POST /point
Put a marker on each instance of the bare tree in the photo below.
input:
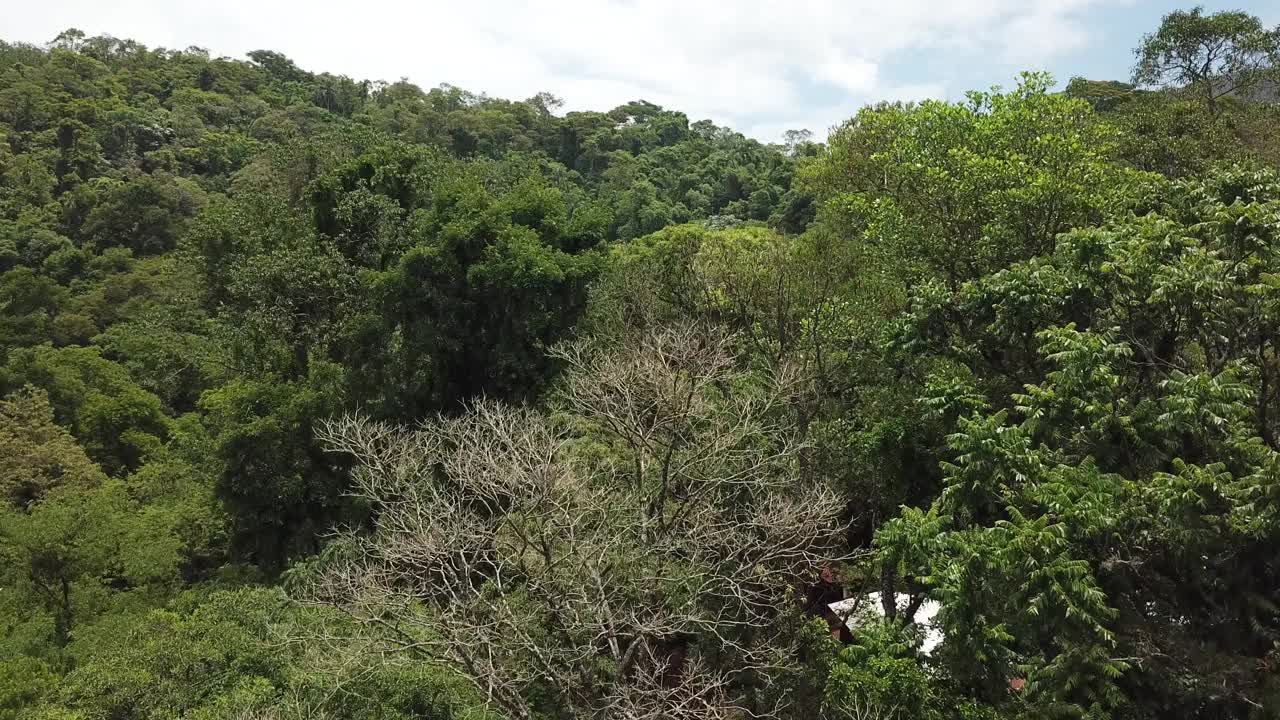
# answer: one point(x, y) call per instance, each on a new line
point(628, 557)
point(783, 300)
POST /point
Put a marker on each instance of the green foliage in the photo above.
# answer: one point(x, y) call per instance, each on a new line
point(487, 281)
point(233, 653)
point(143, 213)
point(1179, 138)
point(1226, 53)
point(80, 552)
point(31, 304)
point(1027, 339)
point(958, 190)
point(36, 454)
point(1102, 95)
point(118, 422)
point(280, 490)
point(1083, 531)
point(24, 683)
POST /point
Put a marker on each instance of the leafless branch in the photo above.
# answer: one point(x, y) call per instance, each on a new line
point(597, 563)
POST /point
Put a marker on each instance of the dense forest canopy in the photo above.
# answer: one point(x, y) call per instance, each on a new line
point(324, 397)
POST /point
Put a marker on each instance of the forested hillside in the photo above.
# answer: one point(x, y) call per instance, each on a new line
point(331, 398)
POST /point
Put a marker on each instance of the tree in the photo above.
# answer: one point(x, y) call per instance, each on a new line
point(1109, 497)
point(1177, 136)
point(799, 142)
point(677, 390)
point(878, 679)
point(144, 213)
point(118, 422)
point(957, 190)
point(632, 560)
point(24, 683)
point(234, 653)
point(779, 296)
point(36, 454)
point(32, 306)
point(80, 550)
point(1102, 95)
point(1226, 53)
point(279, 489)
point(475, 285)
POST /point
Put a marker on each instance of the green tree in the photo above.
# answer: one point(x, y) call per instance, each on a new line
point(956, 190)
point(878, 678)
point(32, 305)
point(277, 485)
point(81, 551)
point(143, 214)
point(25, 683)
point(118, 422)
point(1098, 479)
point(36, 454)
point(474, 286)
point(1102, 95)
point(235, 653)
point(1226, 53)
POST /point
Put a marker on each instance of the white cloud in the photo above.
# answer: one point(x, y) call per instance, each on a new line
point(754, 64)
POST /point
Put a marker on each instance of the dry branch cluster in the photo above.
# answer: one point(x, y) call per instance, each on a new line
point(627, 557)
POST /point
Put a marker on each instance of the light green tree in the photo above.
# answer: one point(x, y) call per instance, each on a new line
point(1226, 53)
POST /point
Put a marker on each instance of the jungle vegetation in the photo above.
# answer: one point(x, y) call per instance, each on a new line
point(331, 398)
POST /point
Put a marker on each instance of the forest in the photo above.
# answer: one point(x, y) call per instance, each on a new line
point(335, 398)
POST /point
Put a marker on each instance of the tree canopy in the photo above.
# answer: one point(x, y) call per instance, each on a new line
point(1226, 53)
point(325, 397)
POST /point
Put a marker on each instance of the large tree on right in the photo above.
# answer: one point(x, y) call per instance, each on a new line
point(1110, 501)
point(1226, 53)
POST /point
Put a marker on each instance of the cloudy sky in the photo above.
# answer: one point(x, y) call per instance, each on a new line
point(761, 67)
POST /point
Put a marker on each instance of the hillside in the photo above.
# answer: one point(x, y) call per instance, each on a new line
point(324, 397)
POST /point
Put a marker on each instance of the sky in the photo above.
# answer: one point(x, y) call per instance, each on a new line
point(759, 67)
